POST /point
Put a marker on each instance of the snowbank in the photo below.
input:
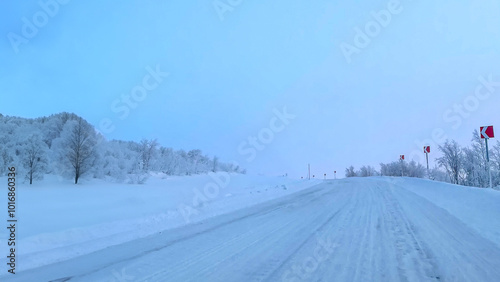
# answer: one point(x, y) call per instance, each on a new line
point(476, 207)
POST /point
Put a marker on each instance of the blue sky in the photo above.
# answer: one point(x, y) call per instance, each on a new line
point(228, 75)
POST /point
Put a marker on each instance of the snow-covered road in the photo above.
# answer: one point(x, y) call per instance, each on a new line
point(346, 230)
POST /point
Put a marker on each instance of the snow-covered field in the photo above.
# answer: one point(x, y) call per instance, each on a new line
point(253, 229)
point(59, 220)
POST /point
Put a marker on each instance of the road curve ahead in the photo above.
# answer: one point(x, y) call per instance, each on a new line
point(344, 230)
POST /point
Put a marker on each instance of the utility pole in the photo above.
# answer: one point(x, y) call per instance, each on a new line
point(309, 168)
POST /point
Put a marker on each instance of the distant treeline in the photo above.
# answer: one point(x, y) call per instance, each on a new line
point(68, 146)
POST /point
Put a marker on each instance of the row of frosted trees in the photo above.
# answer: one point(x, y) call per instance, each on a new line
point(410, 169)
point(68, 146)
point(458, 165)
point(468, 165)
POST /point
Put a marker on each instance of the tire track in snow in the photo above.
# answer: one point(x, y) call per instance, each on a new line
point(269, 266)
point(414, 259)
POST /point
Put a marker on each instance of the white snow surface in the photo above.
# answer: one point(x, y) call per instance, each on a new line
point(59, 220)
point(357, 229)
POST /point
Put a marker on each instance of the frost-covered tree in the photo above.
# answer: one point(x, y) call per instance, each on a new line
point(470, 163)
point(391, 169)
point(5, 159)
point(194, 157)
point(414, 169)
point(80, 144)
point(366, 171)
point(350, 172)
point(438, 175)
point(452, 160)
point(168, 160)
point(34, 158)
point(147, 150)
point(475, 163)
point(495, 163)
point(7, 144)
point(114, 162)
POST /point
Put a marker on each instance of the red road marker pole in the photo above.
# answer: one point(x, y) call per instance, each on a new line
point(487, 133)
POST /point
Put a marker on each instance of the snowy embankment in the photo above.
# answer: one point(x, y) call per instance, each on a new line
point(59, 220)
point(478, 208)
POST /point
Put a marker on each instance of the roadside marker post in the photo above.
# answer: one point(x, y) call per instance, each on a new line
point(401, 159)
point(487, 133)
point(309, 171)
point(427, 150)
point(335, 174)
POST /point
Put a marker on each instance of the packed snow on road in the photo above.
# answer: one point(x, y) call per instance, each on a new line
point(262, 229)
